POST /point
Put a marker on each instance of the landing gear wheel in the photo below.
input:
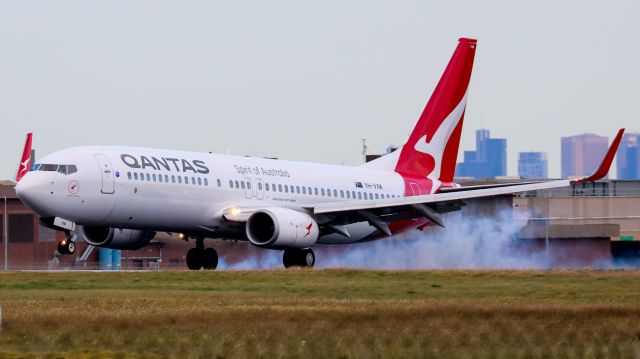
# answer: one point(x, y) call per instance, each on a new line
point(195, 258)
point(209, 258)
point(66, 246)
point(298, 258)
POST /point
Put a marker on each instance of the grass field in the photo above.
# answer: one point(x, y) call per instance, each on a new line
point(321, 313)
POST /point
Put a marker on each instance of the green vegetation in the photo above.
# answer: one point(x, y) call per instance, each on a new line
point(321, 313)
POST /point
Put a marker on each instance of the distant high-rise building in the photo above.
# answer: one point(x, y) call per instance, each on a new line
point(581, 154)
point(532, 165)
point(627, 156)
point(488, 160)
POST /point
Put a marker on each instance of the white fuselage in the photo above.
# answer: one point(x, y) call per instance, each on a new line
point(188, 192)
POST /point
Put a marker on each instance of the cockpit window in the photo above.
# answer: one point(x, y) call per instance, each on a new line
point(64, 169)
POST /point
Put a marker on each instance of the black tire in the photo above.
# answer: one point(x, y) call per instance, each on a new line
point(307, 258)
point(210, 259)
point(289, 258)
point(62, 247)
point(298, 258)
point(71, 247)
point(194, 258)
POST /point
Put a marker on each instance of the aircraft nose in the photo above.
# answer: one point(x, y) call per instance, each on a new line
point(33, 192)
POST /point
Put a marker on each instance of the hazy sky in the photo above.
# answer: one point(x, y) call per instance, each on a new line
point(307, 80)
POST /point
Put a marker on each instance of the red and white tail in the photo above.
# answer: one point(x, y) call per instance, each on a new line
point(25, 162)
point(432, 149)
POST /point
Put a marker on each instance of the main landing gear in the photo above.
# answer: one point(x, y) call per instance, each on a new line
point(294, 257)
point(200, 257)
point(68, 244)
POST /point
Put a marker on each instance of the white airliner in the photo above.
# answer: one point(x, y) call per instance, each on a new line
point(121, 196)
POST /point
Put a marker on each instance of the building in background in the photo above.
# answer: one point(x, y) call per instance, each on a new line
point(487, 161)
point(581, 154)
point(627, 157)
point(532, 165)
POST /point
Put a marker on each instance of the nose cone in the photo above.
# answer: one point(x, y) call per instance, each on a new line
point(33, 191)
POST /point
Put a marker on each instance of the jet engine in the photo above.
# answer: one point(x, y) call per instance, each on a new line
point(116, 238)
point(282, 228)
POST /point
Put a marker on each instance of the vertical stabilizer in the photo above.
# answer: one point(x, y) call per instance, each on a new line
point(25, 161)
point(432, 149)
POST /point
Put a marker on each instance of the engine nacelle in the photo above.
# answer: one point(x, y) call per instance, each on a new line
point(282, 228)
point(107, 237)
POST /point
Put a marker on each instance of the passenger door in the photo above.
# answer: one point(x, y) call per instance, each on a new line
point(108, 179)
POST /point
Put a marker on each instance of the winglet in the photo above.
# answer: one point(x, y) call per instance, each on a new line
point(603, 169)
point(25, 161)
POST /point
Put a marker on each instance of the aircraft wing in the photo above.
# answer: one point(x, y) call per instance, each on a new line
point(381, 212)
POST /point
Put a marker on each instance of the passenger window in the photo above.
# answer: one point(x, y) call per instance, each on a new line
point(159, 178)
point(297, 189)
point(348, 194)
point(248, 184)
point(341, 193)
point(266, 186)
point(193, 180)
point(304, 190)
point(242, 184)
point(219, 183)
point(166, 178)
point(335, 193)
point(199, 181)
point(129, 175)
point(279, 188)
point(322, 191)
point(238, 185)
point(353, 194)
point(259, 186)
point(315, 190)
point(309, 189)
point(71, 169)
point(286, 189)
point(135, 176)
point(328, 192)
point(359, 195)
point(148, 177)
point(173, 179)
point(230, 184)
point(376, 196)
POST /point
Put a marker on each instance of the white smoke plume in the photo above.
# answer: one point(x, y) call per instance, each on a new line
point(468, 241)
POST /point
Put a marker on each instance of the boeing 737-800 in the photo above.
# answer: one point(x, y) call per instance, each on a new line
point(121, 196)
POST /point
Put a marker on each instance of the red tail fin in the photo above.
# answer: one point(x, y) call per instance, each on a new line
point(432, 148)
point(25, 162)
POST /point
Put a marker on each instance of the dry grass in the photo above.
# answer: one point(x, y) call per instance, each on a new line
point(332, 314)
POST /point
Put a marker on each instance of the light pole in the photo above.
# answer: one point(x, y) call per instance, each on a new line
point(4, 235)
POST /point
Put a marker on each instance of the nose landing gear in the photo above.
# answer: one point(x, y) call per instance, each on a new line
point(68, 244)
point(199, 257)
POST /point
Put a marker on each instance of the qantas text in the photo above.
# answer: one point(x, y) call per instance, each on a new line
point(169, 164)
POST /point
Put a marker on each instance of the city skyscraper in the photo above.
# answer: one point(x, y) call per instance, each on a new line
point(627, 157)
point(581, 154)
point(488, 160)
point(532, 165)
